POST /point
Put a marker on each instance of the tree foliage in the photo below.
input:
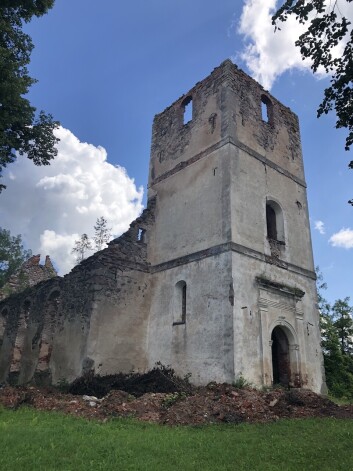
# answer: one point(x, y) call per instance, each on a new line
point(336, 325)
point(327, 30)
point(102, 234)
point(343, 322)
point(21, 130)
point(81, 247)
point(12, 255)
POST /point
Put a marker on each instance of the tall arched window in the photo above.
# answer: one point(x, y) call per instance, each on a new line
point(20, 337)
point(48, 332)
point(179, 303)
point(3, 317)
point(266, 109)
point(274, 221)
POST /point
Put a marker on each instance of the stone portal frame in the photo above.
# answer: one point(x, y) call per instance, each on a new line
point(294, 353)
point(281, 306)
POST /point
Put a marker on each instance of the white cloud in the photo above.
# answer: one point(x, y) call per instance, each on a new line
point(342, 238)
point(320, 226)
point(269, 54)
point(52, 205)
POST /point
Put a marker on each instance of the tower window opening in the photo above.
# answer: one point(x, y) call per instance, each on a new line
point(179, 304)
point(183, 304)
point(266, 109)
point(141, 235)
point(187, 107)
point(274, 222)
point(271, 222)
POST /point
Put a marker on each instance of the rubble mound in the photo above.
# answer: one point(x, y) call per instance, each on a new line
point(161, 379)
point(215, 403)
point(161, 396)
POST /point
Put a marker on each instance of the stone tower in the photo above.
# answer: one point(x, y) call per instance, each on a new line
point(233, 275)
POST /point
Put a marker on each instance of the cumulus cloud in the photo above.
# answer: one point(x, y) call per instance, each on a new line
point(268, 54)
point(319, 226)
point(342, 238)
point(52, 206)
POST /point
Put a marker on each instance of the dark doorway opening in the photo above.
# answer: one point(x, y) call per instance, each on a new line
point(280, 357)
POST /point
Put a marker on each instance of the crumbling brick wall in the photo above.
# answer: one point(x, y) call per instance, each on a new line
point(29, 274)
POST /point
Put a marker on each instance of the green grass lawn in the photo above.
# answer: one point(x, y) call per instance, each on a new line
point(32, 440)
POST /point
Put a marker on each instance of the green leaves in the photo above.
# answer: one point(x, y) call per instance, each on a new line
point(81, 247)
point(102, 233)
point(21, 132)
point(326, 29)
point(336, 324)
point(12, 255)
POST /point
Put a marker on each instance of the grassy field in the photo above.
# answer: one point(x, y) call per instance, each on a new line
point(32, 440)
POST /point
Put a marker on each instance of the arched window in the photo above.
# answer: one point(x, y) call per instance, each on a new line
point(266, 109)
point(3, 317)
point(48, 332)
point(187, 109)
point(20, 337)
point(274, 221)
point(179, 303)
point(271, 222)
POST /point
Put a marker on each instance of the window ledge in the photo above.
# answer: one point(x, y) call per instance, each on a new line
point(279, 242)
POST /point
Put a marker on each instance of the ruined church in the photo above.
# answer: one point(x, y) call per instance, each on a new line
point(215, 278)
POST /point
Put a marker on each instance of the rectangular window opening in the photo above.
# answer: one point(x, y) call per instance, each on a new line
point(141, 235)
point(264, 111)
point(187, 110)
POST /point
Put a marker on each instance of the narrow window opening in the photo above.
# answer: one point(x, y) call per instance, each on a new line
point(47, 334)
point(179, 303)
point(271, 222)
point(187, 106)
point(264, 112)
point(141, 235)
point(183, 305)
point(3, 317)
point(20, 337)
point(266, 109)
point(275, 226)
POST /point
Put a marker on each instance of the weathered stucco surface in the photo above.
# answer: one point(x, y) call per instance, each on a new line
point(216, 278)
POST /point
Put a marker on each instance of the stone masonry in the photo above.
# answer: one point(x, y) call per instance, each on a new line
point(215, 278)
point(30, 273)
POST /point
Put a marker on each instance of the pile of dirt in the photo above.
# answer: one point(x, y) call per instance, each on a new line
point(215, 403)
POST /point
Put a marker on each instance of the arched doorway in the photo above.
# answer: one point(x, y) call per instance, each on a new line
point(280, 357)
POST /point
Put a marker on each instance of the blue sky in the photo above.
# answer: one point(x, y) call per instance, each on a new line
point(104, 70)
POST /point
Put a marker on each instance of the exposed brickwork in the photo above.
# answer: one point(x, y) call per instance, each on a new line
point(30, 274)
